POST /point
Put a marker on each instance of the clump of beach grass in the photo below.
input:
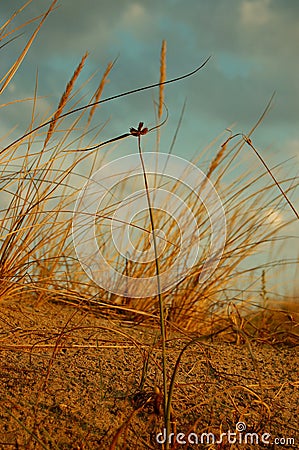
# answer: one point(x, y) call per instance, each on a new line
point(40, 180)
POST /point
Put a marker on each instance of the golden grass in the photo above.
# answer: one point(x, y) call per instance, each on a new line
point(39, 184)
point(64, 99)
point(6, 79)
point(99, 91)
point(162, 78)
point(34, 260)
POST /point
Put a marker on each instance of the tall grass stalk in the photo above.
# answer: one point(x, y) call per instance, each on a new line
point(160, 297)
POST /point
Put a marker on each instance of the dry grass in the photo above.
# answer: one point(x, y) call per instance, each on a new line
point(65, 97)
point(162, 78)
point(39, 184)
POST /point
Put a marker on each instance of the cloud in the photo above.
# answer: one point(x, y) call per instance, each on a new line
point(253, 43)
point(255, 13)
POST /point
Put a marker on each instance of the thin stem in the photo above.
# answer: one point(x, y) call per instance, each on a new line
point(160, 298)
point(101, 144)
point(249, 142)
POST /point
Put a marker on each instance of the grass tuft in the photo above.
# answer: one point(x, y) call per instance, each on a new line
point(40, 180)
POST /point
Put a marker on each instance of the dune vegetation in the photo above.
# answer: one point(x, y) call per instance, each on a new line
point(82, 367)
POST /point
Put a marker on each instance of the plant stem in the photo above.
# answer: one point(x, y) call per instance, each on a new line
point(160, 298)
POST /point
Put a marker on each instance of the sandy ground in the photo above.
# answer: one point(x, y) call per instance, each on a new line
point(72, 380)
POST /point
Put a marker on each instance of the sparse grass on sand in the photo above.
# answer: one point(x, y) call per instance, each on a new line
point(81, 368)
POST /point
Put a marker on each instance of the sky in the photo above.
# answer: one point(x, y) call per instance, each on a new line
point(253, 46)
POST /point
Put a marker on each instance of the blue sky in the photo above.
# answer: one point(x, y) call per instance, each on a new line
point(254, 48)
point(253, 44)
